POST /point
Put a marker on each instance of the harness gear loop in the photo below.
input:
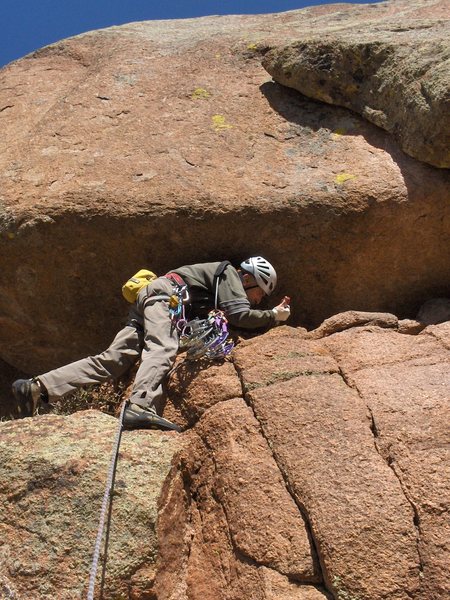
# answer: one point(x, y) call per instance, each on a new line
point(206, 337)
point(177, 302)
point(155, 298)
point(200, 337)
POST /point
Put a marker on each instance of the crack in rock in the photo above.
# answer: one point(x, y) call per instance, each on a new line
point(390, 461)
point(314, 544)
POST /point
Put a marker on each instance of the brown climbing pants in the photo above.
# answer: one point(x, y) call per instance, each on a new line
point(149, 335)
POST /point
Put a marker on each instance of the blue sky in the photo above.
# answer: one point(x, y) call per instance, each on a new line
point(30, 24)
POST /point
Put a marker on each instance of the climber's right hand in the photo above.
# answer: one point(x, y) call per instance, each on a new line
point(282, 312)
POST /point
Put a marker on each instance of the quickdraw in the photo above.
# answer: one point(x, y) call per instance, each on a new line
point(200, 338)
point(177, 302)
point(206, 338)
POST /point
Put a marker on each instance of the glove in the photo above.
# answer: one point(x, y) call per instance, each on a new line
point(281, 312)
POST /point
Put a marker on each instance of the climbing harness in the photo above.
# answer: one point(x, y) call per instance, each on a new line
point(201, 338)
point(106, 499)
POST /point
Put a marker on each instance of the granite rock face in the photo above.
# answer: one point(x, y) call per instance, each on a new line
point(164, 143)
point(393, 69)
point(314, 465)
point(53, 478)
point(238, 531)
point(357, 424)
point(310, 468)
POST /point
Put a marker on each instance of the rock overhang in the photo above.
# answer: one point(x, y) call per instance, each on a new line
point(128, 132)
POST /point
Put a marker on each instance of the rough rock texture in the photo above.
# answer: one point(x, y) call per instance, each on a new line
point(195, 387)
point(311, 469)
point(362, 439)
point(393, 69)
point(238, 528)
point(405, 383)
point(321, 437)
point(163, 143)
point(316, 464)
point(353, 318)
point(53, 476)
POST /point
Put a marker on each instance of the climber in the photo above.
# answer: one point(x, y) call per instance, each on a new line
point(150, 335)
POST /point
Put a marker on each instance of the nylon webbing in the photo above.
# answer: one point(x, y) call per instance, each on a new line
point(156, 298)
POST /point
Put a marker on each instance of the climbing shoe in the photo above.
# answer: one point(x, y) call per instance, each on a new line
point(137, 417)
point(27, 392)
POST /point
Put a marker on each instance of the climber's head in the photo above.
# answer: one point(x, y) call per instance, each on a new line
point(258, 278)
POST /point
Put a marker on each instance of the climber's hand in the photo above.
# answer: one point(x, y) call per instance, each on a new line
point(282, 312)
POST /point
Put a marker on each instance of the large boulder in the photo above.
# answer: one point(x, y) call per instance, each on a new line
point(392, 68)
point(357, 422)
point(229, 527)
point(161, 143)
point(309, 469)
point(404, 381)
point(53, 473)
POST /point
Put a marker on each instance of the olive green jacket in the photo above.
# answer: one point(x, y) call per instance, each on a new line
point(231, 295)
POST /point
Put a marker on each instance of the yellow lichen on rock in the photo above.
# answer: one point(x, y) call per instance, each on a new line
point(219, 123)
point(343, 177)
point(200, 94)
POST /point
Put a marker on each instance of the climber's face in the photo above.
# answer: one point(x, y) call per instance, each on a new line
point(254, 293)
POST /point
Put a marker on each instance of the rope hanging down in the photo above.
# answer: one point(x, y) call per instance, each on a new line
point(200, 338)
point(106, 498)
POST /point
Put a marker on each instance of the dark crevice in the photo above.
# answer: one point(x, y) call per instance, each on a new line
point(241, 556)
point(280, 376)
point(373, 426)
point(416, 517)
point(314, 544)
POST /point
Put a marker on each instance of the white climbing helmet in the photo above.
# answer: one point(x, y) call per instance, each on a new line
point(262, 271)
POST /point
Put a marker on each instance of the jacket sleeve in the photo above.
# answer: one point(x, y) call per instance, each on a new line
point(233, 301)
point(251, 319)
